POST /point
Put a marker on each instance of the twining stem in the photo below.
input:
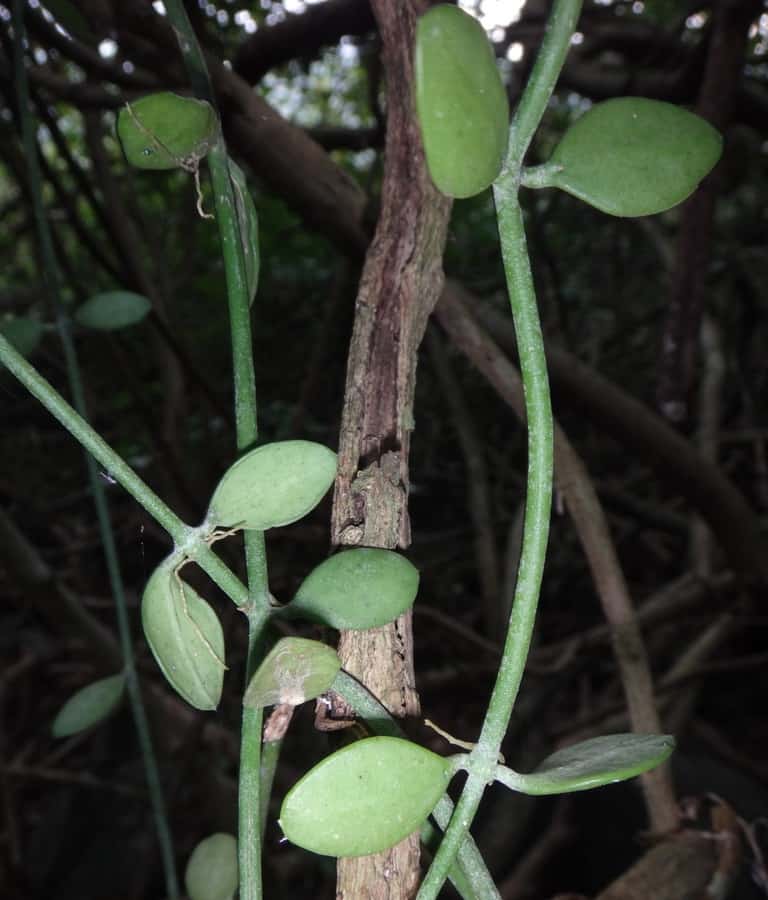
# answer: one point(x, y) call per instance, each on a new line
point(51, 277)
point(381, 722)
point(533, 367)
point(185, 537)
point(247, 431)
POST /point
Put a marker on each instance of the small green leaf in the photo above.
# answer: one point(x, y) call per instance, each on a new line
point(163, 130)
point(635, 157)
point(212, 869)
point(89, 705)
point(295, 670)
point(248, 222)
point(592, 763)
point(273, 485)
point(364, 798)
point(360, 588)
point(22, 333)
point(113, 310)
point(185, 637)
point(461, 103)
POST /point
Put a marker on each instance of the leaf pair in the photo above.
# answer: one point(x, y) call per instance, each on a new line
point(627, 157)
point(372, 794)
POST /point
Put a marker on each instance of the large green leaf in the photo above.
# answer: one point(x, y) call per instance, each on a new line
point(360, 588)
point(635, 157)
point(461, 103)
point(295, 670)
point(248, 222)
point(164, 130)
point(364, 798)
point(273, 485)
point(211, 872)
point(113, 310)
point(592, 763)
point(89, 705)
point(185, 637)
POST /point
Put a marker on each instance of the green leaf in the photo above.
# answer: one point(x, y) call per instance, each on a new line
point(635, 157)
point(364, 798)
point(359, 588)
point(211, 872)
point(461, 103)
point(273, 485)
point(164, 130)
point(185, 637)
point(295, 670)
point(248, 222)
point(22, 333)
point(592, 763)
point(89, 705)
point(113, 310)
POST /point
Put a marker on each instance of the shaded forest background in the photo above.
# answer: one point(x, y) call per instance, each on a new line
point(657, 330)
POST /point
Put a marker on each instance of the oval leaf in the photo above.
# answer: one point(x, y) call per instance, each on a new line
point(635, 157)
point(273, 485)
point(248, 222)
point(360, 588)
point(592, 763)
point(113, 310)
point(295, 670)
point(185, 637)
point(364, 798)
point(461, 103)
point(89, 705)
point(22, 333)
point(163, 130)
point(212, 869)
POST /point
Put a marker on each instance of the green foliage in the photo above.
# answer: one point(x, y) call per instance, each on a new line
point(294, 670)
point(635, 157)
point(113, 310)
point(23, 332)
point(185, 637)
point(593, 763)
point(273, 485)
point(364, 798)
point(89, 706)
point(212, 869)
point(248, 222)
point(461, 102)
point(359, 588)
point(164, 130)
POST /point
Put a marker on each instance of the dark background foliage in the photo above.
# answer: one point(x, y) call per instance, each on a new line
point(625, 297)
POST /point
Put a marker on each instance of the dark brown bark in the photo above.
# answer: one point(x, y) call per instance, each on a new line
point(302, 35)
point(400, 284)
point(722, 76)
point(675, 460)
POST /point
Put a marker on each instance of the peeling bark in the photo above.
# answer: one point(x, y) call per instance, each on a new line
point(400, 284)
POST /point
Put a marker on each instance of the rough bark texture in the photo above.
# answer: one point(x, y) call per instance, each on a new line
point(400, 284)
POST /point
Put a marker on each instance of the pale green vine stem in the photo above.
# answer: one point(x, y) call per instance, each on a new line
point(185, 537)
point(517, 269)
point(249, 786)
point(51, 277)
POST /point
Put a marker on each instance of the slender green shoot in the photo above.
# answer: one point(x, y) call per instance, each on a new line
point(483, 758)
point(250, 802)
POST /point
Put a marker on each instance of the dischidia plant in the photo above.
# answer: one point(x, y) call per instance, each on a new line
point(627, 157)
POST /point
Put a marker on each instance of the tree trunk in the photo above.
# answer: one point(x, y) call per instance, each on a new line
point(400, 284)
